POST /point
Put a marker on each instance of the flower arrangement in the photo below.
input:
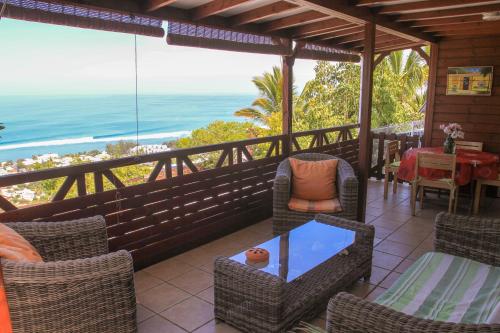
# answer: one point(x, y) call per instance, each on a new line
point(453, 131)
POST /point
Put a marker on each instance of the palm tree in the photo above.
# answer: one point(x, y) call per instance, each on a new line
point(270, 97)
point(409, 70)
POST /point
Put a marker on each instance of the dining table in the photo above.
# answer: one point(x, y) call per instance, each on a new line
point(471, 165)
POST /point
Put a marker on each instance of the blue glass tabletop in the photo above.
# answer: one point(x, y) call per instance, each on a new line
point(294, 253)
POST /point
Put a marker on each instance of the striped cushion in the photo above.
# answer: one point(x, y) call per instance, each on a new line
point(320, 206)
point(447, 288)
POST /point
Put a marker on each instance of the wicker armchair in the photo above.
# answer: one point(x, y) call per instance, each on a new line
point(347, 189)
point(469, 237)
point(79, 287)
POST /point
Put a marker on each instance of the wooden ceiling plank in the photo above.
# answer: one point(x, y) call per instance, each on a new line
point(354, 38)
point(361, 15)
point(334, 32)
point(445, 13)
point(331, 23)
point(397, 47)
point(373, 2)
point(495, 25)
point(429, 6)
point(262, 12)
point(294, 20)
point(152, 5)
point(214, 7)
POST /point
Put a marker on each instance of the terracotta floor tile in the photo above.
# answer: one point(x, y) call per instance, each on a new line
point(407, 237)
point(144, 281)
point(361, 289)
point(378, 274)
point(161, 297)
point(190, 314)
point(193, 281)
point(404, 265)
point(381, 232)
point(143, 313)
point(394, 248)
point(158, 324)
point(207, 295)
point(386, 261)
point(168, 269)
point(216, 327)
point(375, 293)
point(389, 280)
point(396, 216)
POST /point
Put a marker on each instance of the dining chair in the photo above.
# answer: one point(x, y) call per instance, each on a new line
point(480, 189)
point(471, 145)
point(392, 162)
point(444, 162)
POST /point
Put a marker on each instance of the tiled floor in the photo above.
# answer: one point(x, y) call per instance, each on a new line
point(176, 295)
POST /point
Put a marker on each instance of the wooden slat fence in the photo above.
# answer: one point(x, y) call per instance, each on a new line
point(191, 195)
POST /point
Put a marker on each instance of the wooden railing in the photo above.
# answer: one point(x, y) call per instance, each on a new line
point(190, 195)
point(407, 141)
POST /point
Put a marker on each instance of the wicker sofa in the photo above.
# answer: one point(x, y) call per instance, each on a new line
point(79, 287)
point(463, 237)
point(285, 219)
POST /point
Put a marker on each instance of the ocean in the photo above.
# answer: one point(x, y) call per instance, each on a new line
point(38, 125)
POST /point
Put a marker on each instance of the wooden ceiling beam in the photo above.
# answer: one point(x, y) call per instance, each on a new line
point(382, 38)
point(214, 7)
point(447, 21)
point(152, 5)
point(429, 6)
point(360, 15)
point(373, 2)
point(445, 13)
point(294, 20)
point(422, 54)
point(262, 12)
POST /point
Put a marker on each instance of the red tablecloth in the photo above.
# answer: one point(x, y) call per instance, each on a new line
point(470, 165)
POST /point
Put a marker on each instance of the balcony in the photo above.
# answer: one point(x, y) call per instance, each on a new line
point(176, 295)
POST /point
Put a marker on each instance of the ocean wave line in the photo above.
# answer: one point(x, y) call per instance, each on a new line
point(89, 139)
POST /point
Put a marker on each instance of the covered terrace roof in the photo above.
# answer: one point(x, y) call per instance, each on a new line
point(331, 23)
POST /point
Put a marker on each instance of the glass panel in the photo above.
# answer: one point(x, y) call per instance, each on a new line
point(300, 250)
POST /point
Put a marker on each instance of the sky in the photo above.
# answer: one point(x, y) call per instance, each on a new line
point(43, 59)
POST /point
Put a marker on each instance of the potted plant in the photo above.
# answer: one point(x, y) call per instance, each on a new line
point(452, 131)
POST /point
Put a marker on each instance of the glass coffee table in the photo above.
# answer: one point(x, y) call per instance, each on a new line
point(306, 267)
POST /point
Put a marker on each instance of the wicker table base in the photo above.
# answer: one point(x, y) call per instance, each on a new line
point(256, 301)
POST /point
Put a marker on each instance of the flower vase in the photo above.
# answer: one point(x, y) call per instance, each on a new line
point(449, 145)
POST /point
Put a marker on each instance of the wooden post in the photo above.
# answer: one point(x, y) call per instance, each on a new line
point(287, 101)
point(431, 94)
point(365, 111)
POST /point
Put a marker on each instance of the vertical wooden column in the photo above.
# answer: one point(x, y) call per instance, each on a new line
point(431, 94)
point(287, 101)
point(365, 116)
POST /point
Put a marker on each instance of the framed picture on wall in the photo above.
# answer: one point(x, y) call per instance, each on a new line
point(472, 80)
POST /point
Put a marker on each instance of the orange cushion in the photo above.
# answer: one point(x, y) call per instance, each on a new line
point(319, 206)
point(12, 246)
point(314, 180)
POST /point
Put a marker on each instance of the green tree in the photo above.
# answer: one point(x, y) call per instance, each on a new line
point(120, 148)
point(217, 132)
point(267, 108)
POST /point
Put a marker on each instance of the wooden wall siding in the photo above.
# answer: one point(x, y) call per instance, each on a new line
point(480, 115)
point(162, 217)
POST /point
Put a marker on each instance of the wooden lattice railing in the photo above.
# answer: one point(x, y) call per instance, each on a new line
point(406, 141)
point(188, 197)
